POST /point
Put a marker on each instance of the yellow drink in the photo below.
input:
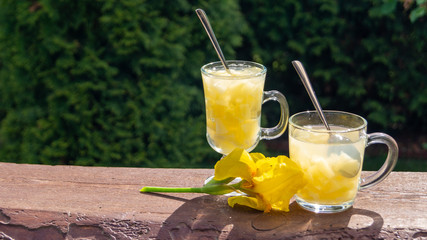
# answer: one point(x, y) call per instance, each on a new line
point(332, 170)
point(233, 107)
point(332, 159)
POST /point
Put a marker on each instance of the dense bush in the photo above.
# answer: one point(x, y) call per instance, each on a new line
point(360, 57)
point(106, 82)
point(117, 83)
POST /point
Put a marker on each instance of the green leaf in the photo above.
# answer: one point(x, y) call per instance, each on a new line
point(420, 2)
point(385, 8)
point(417, 13)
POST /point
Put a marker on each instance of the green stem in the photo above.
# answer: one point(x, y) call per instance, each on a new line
point(219, 182)
point(170, 189)
point(209, 189)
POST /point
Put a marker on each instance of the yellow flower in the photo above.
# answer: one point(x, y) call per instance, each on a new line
point(236, 164)
point(269, 183)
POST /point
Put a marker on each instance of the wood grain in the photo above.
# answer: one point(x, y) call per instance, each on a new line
point(70, 202)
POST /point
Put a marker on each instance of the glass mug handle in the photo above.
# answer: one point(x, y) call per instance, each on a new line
point(390, 162)
point(279, 129)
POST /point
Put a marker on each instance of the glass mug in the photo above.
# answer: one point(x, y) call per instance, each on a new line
point(332, 160)
point(233, 101)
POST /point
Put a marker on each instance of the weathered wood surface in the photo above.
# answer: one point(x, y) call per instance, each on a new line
point(70, 202)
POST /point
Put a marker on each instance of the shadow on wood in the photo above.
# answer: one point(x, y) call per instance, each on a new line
point(210, 217)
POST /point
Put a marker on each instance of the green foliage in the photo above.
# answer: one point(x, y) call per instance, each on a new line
point(103, 82)
point(362, 56)
point(106, 82)
point(417, 8)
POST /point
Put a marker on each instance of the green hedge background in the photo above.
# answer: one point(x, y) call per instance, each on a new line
point(117, 83)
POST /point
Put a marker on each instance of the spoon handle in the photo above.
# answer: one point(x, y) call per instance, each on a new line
point(205, 21)
point(306, 81)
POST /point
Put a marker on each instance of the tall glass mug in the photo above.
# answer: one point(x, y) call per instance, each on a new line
point(233, 103)
point(332, 160)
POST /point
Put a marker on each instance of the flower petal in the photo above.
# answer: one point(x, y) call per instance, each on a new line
point(252, 202)
point(277, 180)
point(257, 156)
point(236, 164)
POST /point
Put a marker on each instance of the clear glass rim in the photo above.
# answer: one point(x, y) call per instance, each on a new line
point(231, 63)
point(328, 113)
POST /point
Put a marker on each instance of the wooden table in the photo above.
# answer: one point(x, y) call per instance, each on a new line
point(71, 202)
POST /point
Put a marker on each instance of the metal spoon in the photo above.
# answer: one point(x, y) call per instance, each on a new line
point(333, 138)
point(306, 81)
point(205, 21)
